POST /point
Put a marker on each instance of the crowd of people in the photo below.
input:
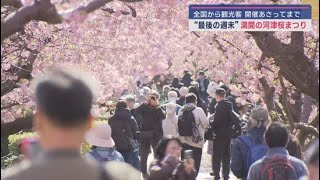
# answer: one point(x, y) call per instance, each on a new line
point(173, 124)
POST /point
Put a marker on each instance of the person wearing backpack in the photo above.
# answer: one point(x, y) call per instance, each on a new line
point(124, 133)
point(222, 128)
point(192, 122)
point(246, 149)
point(277, 164)
point(103, 149)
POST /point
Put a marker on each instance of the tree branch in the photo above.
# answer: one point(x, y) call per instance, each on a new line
point(284, 102)
point(44, 10)
point(297, 39)
point(295, 67)
point(15, 126)
point(308, 129)
point(9, 105)
point(22, 71)
point(12, 3)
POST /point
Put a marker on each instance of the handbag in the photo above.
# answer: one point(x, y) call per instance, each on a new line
point(209, 134)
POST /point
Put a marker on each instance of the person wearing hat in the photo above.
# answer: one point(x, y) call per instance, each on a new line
point(183, 91)
point(142, 94)
point(203, 83)
point(102, 144)
point(258, 120)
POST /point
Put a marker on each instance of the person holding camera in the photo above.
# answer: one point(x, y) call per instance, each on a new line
point(167, 163)
point(151, 127)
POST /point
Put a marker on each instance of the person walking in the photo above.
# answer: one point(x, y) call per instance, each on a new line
point(192, 138)
point(246, 149)
point(176, 83)
point(221, 143)
point(277, 163)
point(186, 79)
point(203, 86)
point(124, 132)
point(151, 128)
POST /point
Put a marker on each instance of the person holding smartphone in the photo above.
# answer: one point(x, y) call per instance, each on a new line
point(151, 127)
point(167, 163)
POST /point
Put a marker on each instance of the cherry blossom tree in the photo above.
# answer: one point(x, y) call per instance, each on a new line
point(123, 42)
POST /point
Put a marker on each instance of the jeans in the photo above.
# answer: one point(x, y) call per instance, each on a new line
point(221, 154)
point(134, 160)
point(197, 154)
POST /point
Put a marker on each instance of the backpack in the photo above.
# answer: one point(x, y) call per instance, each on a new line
point(255, 151)
point(235, 124)
point(186, 122)
point(278, 168)
point(97, 156)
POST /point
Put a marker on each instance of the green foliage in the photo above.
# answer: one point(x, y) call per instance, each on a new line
point(85, 147)
point(14, 154)
point(15, 139)
point(9, 160)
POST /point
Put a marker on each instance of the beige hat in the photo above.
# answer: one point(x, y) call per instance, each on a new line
point(100, 136)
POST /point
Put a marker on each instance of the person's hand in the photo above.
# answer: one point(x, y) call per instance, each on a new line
point(189, 165)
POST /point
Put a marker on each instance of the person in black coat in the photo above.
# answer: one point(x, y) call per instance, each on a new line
point(186, 79)
point(176, 83)
point(203, 84)
point(124, 128)
point(151, 127)
point(221, 143)
point(231, 98)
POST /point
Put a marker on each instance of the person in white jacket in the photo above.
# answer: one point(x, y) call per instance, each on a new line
point(169, 124)
point(202, 123)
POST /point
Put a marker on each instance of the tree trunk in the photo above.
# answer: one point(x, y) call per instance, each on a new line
point(294, 65)
point(306, 108)
point(15, 126)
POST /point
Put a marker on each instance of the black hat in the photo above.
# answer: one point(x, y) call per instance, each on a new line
point(220, 92)
point(226, 88)
point(201, 73)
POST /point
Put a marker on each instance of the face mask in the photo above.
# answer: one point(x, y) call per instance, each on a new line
point(172, 99)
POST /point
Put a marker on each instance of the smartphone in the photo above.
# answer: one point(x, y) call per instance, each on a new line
point(188, 154)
